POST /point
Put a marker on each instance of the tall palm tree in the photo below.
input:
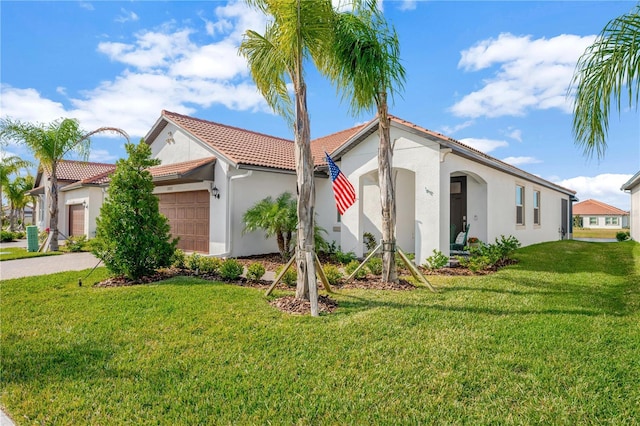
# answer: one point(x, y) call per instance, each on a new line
point(606, 70)
point(276, 217)
point(367, 68)
point(299, 30)
point(49, 144)
point(9, 165)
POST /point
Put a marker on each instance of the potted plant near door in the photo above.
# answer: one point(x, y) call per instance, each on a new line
point(473, 242)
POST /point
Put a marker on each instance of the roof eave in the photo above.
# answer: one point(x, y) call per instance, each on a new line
point(635, 180)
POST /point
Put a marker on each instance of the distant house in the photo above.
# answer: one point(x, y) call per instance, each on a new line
point(82, 187)
point(595, 214)
point(632, 186)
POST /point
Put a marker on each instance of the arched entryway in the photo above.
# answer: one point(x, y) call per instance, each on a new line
point(468, 204)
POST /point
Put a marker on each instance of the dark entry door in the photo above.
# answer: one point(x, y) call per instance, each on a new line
point(458, 207)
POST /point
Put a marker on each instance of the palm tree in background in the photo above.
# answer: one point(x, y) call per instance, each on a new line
point(366, 69)
point(607, 69)
point(16, 192)
point(50, 143)
point(298, 31)
point(9, 166)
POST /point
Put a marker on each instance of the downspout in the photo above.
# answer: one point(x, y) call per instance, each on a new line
point(228, 237)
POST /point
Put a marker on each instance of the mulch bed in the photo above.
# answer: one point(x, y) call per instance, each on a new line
point(290, 304)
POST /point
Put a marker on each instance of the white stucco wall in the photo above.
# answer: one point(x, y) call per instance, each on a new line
point(601, 222)
point(499, 217)
point(635, 213)
point(182, 147)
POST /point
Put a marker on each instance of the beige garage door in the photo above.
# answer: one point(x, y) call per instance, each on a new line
point(188, 214)
point(76, 219)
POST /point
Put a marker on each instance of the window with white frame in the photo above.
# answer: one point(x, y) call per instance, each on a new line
point(41, 208)
point(519, 205)
point(593, 220)
point(536, 207)
point(611, 220)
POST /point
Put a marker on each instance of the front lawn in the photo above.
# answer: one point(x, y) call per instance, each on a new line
point(554, 339)
point(596, 233)
point(12, 253)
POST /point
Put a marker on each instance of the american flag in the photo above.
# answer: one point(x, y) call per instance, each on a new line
point(342, 189)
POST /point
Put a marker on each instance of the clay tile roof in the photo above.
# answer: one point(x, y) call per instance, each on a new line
point(71, 170)
point(594, 207)
point(330, 143)
point(179, 168)
point(239, 145)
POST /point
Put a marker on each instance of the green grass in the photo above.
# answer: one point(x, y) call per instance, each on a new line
point(554, 339)
point(595, 233)
point(12, 253)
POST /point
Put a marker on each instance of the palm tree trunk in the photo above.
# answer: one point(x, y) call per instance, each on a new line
point(306, 284)
point(53, 209)
point(387, 194)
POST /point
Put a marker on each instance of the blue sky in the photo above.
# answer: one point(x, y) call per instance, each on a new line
point(493, 75)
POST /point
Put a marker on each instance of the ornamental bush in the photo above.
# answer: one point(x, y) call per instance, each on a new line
point(352, 266)
point(255, 271)
point(333, 274)
point(231, 269)
point(133, 238)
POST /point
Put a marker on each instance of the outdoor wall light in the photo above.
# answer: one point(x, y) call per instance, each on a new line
point(214, 191)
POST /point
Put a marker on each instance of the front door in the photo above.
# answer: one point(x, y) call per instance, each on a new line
point(458, 206)
point(564, 219)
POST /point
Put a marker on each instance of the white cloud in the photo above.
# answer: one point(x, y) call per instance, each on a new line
point(86, 5)
point(518, 161)
point(515, 134)
point(450, 130)
point(603, 187)
point(102, 156)
point(126, 16)
point(484, 145)
point(407, 5)
point(166, 69)
point(532, 74)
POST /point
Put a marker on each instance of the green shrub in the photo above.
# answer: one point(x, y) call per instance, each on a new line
point(506, 246)
point(333, 274)
point(192, 262)
point(6, 236)
point(352, 266)
point(255, 271)
point(134, 238)
point(290, 277)
point(622, 235)
point(344, 258)
point(19, 235)
point(374, 265)
point(209, 265)
point(75, 243)
point(42, 236)
point(179, 258)
point(436, 261)
point(231, 269)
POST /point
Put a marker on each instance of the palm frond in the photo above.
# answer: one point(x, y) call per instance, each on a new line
point(608, 66)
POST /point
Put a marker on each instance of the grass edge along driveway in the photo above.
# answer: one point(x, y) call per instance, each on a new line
point(553, 339)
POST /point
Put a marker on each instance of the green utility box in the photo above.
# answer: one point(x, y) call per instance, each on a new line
point(32, 238)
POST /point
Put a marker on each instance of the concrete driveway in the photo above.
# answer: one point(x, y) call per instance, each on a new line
point(44, 265)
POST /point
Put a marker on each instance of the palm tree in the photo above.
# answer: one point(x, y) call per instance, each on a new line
point(367, 68)
point(299, 30)
point(607, 69)
point(50, 143)
point(8, 166)
point(275, 218)
point(16, 191)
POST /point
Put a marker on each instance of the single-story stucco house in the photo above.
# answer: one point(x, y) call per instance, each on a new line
point(212, 173)
point(632, 186)
point(595, 214)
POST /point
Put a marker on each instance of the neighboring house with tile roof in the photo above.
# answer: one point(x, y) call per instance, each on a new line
point(212, 173)
point(82, 186)
point(632, 186)
point(595, 214)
